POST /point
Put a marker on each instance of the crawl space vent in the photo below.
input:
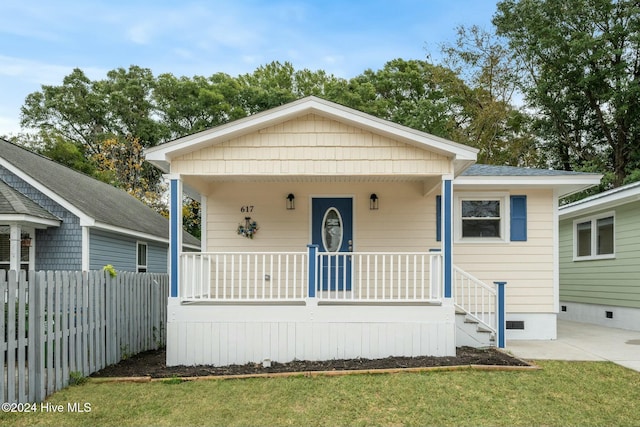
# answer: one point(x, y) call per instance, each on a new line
point(515, 324)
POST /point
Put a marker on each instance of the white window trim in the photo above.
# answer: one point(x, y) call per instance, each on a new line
point(594, 241)
point(138, 266)
point(505, 216)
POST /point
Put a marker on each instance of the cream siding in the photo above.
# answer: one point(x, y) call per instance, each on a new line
point(527, 267)
point(311, 145)
point(404, 222)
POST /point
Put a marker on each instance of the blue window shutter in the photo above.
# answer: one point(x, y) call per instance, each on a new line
point(518, 218)
point(438, 218)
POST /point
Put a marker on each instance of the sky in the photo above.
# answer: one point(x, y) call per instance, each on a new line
point(42, 41)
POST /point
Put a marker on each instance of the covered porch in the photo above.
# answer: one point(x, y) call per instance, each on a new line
point(20, 219)
point(326, 233)
point(250, 299)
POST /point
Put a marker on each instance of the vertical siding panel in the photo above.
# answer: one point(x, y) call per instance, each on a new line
point(3, 348)
point(64, 326)
point(49, 375)
point(22, 341)
point(91, 288)
point(73, 313)
point(79, 326)
point(31, 341)
point(57, 331)
point(11, 336)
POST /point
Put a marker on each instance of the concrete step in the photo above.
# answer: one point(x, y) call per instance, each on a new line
point(470, 333)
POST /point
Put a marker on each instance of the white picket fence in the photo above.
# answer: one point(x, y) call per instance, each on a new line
point(58, 325)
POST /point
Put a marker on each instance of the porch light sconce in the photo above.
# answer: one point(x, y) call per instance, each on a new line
point(373, 202)
point(291, 205)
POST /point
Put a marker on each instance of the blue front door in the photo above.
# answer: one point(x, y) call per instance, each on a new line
point(332, 231)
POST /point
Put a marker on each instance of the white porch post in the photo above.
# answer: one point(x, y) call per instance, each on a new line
point(15, 247)
point(175, 233)
point(447, 234)
point(203, 223)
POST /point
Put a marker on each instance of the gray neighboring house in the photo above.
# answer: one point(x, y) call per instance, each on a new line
point(600, 259)
point(54, 218)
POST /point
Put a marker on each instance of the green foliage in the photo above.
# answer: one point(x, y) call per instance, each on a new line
point(125, 353)
point(584, 95)
point(76, 378)
point(68, 154)
point(191, 218)
point(501, 131)
point(110, 270)
point(173, 380)
point(583, 61)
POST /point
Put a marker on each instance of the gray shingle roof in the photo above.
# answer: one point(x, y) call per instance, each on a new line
point(13, 202)
point(94, 198)
point(491, 170)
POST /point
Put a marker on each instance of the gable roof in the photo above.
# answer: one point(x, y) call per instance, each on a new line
point(564, 182)
point(161, 155)
point(14, 206)
point(96, 203)
point(605, 200)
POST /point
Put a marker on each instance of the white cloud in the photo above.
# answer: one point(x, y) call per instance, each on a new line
point(19, 77)
point(140, 33)
point(32, 71)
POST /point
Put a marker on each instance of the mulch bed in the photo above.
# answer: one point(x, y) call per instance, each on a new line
point(152, 364)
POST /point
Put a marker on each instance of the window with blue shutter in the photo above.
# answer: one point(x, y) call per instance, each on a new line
point(518, 218)
point(438, 218)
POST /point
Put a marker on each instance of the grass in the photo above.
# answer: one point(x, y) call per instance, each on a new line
point(562, 393)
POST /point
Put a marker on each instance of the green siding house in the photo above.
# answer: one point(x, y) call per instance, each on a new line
point(600, 259)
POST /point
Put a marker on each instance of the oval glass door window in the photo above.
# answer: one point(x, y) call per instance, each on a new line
point(332, 231)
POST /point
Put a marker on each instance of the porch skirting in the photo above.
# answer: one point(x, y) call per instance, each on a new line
point(238, 334)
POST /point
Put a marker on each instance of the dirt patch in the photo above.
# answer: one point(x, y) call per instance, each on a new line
point(152, 364)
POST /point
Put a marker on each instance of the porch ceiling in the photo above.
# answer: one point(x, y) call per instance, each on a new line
point(308, 178)
point(199, 183)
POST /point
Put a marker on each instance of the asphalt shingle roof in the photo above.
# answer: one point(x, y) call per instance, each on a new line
point(491, 170)
point(96, 199)
point(13, 202)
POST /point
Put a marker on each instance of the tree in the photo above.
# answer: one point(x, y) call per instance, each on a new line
point(582, 62)
point(413, 93)
point(501, 130)
point(74, 111)
point(81, 122)
point(188, 105)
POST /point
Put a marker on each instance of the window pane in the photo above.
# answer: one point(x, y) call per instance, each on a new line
point(583, 233)
point(480, 228)
point(142, 254)
point(481, 209)
point(5, 247)
point(605, 235)
point(332, 232)
point(25, 243)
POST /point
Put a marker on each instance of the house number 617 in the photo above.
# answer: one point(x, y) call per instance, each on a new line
point(245, 209)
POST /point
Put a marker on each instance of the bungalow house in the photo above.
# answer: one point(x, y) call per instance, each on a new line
point(599, 259)
point(329, 233)
point(54, 218)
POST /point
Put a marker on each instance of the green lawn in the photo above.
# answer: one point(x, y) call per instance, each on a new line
point(562, 393)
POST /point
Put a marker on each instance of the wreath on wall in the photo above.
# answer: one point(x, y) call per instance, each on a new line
point(248, 229)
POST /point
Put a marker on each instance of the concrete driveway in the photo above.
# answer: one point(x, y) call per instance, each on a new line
point(583, 341)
